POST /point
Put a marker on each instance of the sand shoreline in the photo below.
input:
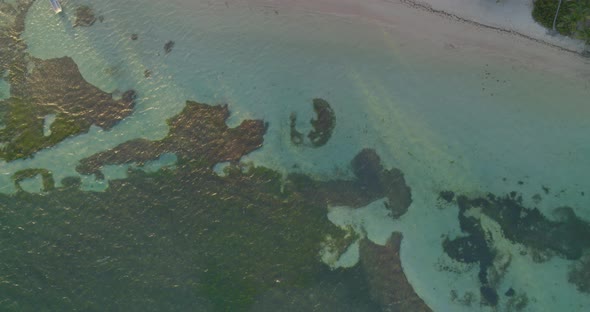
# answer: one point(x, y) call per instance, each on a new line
point(429, 8)
point(425, 28)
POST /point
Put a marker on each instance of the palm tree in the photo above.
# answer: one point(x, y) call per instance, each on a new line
point(555, 18)
point(576, 17)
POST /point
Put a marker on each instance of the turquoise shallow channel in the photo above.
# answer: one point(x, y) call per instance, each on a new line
point(288, 156)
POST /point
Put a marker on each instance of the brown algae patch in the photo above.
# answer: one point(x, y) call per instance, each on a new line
point(387, 281)
point(46, 176)
point(323, 125)
point(55, 86)
point(198, 134)
point(42, 87)
point(168, 46)
point(579, 274)
point(84, 16)
point(12, 48)
point(372, 181)
point(566, 237)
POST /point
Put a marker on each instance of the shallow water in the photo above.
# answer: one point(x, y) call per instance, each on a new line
point(465, 121)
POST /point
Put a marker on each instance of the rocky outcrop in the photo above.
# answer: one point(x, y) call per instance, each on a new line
point(58, 83)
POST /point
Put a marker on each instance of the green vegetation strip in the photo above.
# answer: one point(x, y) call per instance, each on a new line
point(573, 18)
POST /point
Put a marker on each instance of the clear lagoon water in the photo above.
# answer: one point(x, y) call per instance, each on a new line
point(464, 121)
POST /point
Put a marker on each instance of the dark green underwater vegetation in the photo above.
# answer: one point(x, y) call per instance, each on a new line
point(187, 239)
point(154, 238)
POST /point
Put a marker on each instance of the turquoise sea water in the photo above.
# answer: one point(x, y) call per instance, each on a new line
point(468, 122)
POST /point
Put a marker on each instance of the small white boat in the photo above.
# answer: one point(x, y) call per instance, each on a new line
point(56, 6)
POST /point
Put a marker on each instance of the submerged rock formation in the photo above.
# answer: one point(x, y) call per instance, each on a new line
point(55, 86)
point(323, 125)
point(168, 46)
point(84, 16)
point(46, 176)
point(58, 82)
point(387, 281)
point(579, 274)
point(12, 48)
point(42, 87)
point(373, 177)
point(372, 182)
point(198, 134)
point(565, 237)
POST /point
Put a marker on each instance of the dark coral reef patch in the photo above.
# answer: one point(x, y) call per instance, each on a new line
point(579, 274)
point(46, 176)
point(260, 231)
point(198, 134)
point(168, 46)
point(323, 125)
point(11, 47)
point(84, 16)
point(58, 83)
point(372, 181)
point(55, 86)
point(565, 235)
point(387, 281)
point(42, 87)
